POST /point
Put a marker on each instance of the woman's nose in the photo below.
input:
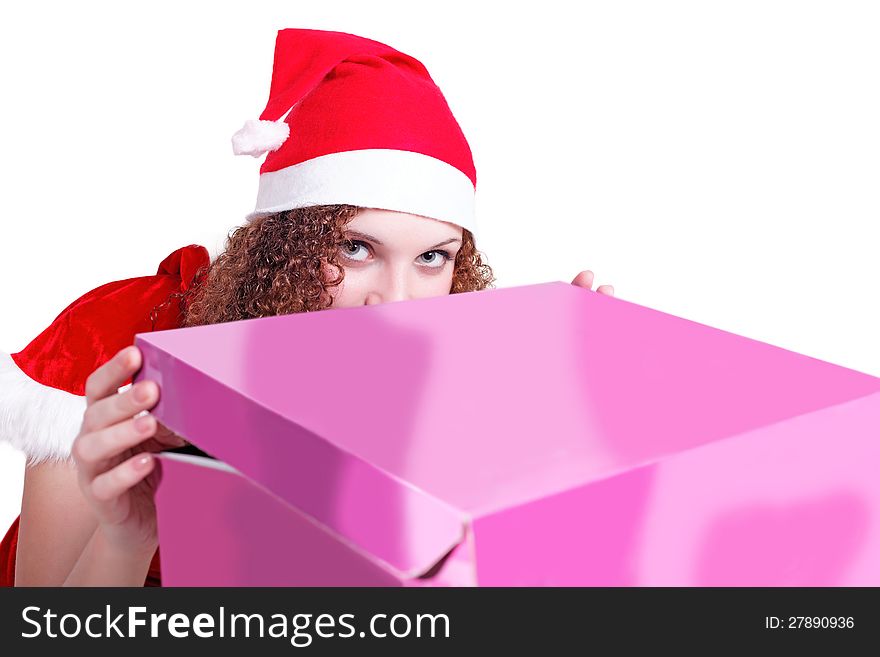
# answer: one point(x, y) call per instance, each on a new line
point(393, 287)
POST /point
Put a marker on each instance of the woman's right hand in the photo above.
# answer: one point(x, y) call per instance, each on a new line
point(113, 452)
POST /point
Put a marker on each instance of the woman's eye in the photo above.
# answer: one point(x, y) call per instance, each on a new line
point(355, 250)
point(435, 258)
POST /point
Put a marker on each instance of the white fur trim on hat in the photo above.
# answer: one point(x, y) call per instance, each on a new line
point(387, 179)
point(39, 420)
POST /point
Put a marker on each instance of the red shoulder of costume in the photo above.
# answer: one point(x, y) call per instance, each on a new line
point(42, 386)
point(8, 548)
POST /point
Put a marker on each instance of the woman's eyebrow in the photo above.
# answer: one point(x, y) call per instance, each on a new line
point(370, 238)
point(364, 236)
point(449, 241)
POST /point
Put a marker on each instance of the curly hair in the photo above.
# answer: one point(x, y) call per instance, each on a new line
point(275, 265)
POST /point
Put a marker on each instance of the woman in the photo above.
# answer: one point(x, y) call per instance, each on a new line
point(366, 196)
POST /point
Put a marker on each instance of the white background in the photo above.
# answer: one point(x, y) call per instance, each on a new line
point(715, 160)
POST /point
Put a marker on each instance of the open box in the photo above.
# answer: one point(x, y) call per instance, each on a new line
point(538, 435)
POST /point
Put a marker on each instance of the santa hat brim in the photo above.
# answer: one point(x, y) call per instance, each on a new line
point(388, 179)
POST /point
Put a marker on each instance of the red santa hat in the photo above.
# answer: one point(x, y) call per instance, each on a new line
point(353, 121)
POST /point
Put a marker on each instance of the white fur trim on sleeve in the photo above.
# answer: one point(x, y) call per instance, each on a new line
point(39, 420)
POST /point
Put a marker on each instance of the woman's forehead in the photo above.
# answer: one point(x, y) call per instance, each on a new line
point(388, 226)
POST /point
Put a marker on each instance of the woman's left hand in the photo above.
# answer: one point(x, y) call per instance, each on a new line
point(585, 279)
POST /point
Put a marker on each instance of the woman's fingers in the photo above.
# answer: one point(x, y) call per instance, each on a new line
point(93, 450)
point(107, 379)
point(120, 406)
point(118, 480)
point(104, 404)
point(584, 279)
point(166, 436)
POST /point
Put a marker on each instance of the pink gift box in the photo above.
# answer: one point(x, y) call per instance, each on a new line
point(538, 435)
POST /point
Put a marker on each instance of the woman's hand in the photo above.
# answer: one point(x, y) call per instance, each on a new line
point(113, 453)
point(585, 279)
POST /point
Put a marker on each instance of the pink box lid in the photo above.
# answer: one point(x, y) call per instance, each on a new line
point(397, 425)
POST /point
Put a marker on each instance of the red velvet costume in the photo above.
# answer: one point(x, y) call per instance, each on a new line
point(43, 389)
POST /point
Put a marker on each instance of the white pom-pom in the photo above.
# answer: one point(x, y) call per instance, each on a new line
point(257, 137)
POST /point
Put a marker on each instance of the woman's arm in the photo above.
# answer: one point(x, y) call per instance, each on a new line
point(59, 541)
point(93, 521)
point(117, 475)
point(103, 564)
point(55, 526)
